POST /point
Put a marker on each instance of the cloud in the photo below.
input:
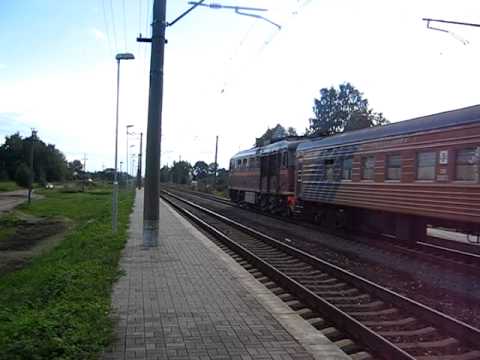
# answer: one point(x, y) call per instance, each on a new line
point(99, 35)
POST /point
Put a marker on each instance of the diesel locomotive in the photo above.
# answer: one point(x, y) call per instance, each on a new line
point(396, 179)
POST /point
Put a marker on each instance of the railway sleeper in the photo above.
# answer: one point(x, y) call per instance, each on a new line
point(361, 355)
point(384, 312)
point(377, 304)
point(295, 305)
point(448, 344)
point(307, 313)
point(471, 355)
point(424, 331)
point(332, 333)
point(323, 292)
point(314, 284)
point(409, 321)
point(348, 346)
point(348, 299)
point(317, 322)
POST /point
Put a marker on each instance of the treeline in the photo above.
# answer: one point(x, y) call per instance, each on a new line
point(182, 172)
point(334, 112)
point(49, 163)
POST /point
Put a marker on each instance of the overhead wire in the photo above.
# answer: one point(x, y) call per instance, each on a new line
point(124, 26)
point(107, 31)
point(113, 26)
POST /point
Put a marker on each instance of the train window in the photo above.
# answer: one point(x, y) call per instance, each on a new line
point(426, 164)
point(284, 159)
point(394, 167)
point(368, 166)
point(466, 165)
point(239, 163)
point(251, 162)
point(244, 163)
point(329, 169)
point(347, 168)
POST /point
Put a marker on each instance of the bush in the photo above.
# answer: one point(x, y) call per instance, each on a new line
point(23, 176)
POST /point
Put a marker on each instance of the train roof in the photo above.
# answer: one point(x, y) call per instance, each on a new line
point(267, 149)
point(446, 119)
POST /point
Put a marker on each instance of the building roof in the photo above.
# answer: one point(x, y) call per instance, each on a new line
point(463, 116)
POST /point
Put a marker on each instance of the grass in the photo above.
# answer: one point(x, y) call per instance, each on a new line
point(8, 223)
point(58, 306)
point(8, 186)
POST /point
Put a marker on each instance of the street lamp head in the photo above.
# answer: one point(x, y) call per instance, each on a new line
point(129, 126)
point(124, 56)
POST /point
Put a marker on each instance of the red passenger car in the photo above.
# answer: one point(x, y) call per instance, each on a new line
point(396, 179)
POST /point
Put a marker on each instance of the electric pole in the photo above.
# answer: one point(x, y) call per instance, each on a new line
point(139, 169)
point(84, 171)
point(151, 211)
point(30, 183)
point(216, 164)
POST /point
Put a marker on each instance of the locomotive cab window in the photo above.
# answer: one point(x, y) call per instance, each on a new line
point(347, 168)
point(368, 166)
point(394, 167)
point(426, 165)
point(466, 165)
point(284, 159)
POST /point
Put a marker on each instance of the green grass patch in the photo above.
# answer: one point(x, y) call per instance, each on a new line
point(8, 224)
point(8, 186)
point(58, 306)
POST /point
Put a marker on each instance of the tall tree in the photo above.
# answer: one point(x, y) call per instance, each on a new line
point(181, 172)
point(200, 170)
point(342, 110)
point(49, 162)
point(276, 133)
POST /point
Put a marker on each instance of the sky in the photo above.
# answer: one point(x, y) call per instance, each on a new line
point(225, 74)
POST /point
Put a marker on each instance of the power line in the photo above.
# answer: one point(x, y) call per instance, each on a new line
point(107, 31)
point(124, 25)
point(113, 25)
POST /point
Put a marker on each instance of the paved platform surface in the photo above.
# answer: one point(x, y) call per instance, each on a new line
point(186, 299)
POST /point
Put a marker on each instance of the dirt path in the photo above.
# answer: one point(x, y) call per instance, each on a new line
point(11, 199)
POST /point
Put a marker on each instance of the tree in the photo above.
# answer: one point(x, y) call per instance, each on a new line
point(165, 175)
point(342, 110)
point(180, 172)
point(277, 133)
point(49, 162)
point(200, 170)
point(23, 175)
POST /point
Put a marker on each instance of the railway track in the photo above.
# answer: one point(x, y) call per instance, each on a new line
point(363, 318)
point(446, 257)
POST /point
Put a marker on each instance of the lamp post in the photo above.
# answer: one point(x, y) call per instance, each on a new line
point(124, 56)
point(126, 164)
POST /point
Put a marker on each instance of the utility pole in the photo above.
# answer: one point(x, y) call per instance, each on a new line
point(139, 169)
point(151, 211)
point(216, 164)
point(84, 171)
point(30, 183)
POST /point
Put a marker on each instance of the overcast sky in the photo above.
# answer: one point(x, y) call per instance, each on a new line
point(225, 74)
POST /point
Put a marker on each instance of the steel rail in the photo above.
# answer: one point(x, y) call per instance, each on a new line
point(450, 325)
point(354, 327)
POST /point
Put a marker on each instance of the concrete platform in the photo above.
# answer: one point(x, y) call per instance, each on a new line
point(186, 299)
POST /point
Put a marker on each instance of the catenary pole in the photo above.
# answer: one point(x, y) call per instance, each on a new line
point(151, 213)
point(216, 164)
point(32, 170)
point(139, 169)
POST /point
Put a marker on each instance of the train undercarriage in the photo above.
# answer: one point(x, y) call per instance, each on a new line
point(403, 227)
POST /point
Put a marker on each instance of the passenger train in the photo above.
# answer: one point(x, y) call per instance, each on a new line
point(395, 179)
